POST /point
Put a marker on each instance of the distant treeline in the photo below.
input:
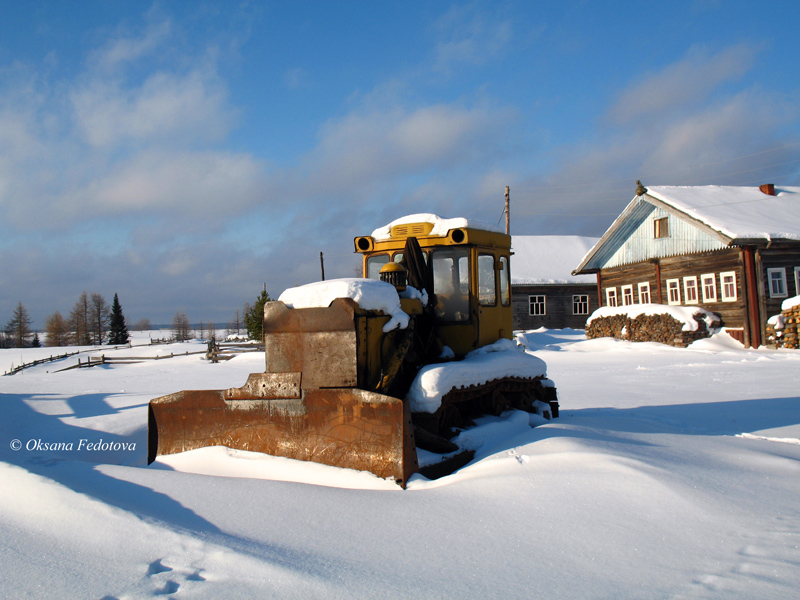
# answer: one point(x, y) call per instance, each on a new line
point(92, 322)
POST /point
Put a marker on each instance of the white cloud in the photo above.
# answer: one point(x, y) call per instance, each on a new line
point(129, 48)
point(363, 148)
point(687, 81)
point(469, 36)
point(195, 185)
point(166, 107)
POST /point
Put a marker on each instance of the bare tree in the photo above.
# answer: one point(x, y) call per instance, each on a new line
point(142, 325)
point(56, 330)
point(99, 315)
point(181, 328)
point(18, 328)
point(79, 322)
point(235, 325)
point(201, 330)
point(212, 331)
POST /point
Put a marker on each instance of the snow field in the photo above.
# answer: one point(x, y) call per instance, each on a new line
point(672, 473)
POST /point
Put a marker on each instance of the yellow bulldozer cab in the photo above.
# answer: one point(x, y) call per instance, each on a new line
point(468, 270)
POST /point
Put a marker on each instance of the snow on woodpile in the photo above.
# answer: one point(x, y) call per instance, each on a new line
point(440, 226)
point(682, 314)
point(504, 358)
point(790, 303)
point(673, 325)
point(782, 329)
point(369, 294)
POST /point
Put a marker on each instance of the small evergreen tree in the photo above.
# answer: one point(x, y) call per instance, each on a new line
point(119, 330)
point(35, 343)
point(254, 317)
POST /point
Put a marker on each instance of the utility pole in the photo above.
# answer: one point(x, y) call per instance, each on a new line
point(508, 202)
point(322, 265)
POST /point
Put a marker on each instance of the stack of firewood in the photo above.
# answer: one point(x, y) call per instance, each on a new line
point(661, 328)
point(782, 332)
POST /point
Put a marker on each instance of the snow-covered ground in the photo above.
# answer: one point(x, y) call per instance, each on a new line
point(671, 473)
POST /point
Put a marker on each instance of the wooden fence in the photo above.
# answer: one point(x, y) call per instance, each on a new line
point(224, 352)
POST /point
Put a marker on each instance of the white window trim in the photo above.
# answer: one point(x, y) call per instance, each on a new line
point(611, 293)
point(797, 281)
point(543, 304)
point(644, 290)
point(580, 301)
point(727, 297)
point(686, 281)
point(627, 291)
point(782, 272)
point(703, 279)
point(677, 288)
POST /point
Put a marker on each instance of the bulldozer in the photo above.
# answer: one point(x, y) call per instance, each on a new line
point(368, 373)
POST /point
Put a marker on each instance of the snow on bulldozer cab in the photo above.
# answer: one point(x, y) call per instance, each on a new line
point(361, 372)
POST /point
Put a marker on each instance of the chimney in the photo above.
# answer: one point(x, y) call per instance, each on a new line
point(768, 189)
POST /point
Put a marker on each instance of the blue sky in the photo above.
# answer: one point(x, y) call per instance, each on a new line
point(182, 154)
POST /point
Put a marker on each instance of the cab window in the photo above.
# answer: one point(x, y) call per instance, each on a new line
point(487, 294)
point(451, 283)
point(505, 282)
point(374, 265)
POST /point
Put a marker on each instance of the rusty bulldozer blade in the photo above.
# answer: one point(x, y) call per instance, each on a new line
point(290, 410)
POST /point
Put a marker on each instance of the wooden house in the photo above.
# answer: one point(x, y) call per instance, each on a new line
point(544, 292)
point(732, 250)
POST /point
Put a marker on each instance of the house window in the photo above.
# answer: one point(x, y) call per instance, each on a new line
point(661, 228)
point(777, 283)
point(611, 296)
point(537, 306)
point(673, 291)
point(709, 281)
point(644, 293)
point(690, 290)
point(728, 283)
point(580, 305)
point(627, 295)
point(797, 281)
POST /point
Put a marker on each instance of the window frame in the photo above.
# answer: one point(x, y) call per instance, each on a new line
point(627, 293)
point(532, 303)
point(677, 289)
point(644, 292)
point(781, 280)
point(723, 288)
point(504, 280)
point(582, 301)
point(612, 293)
point(703, 278)
point(797, 281)
point(487, 300)
point(695, 292)
point(661, 228)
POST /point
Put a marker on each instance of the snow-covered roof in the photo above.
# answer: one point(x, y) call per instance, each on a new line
point(549, 258)
point(440, 226)
point(721, 216)
point(737, 212)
